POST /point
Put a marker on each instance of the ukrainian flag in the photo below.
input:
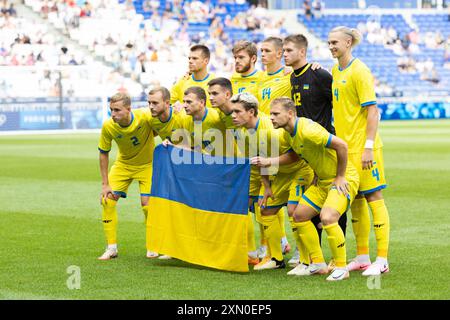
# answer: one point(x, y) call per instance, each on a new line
point(198, 212)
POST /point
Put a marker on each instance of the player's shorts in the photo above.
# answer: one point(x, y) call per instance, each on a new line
point(288, 187)
point(370, 180)
point(120, 177)
point(324, 194)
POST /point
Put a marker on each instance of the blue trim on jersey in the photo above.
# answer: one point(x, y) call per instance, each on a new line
point(249, 75)
point(274, 73)
point(383, 186)
point(257, 124)
point(146, 194)
point(206, 113)
point(347, 65)
point(292, 202)
point(329, 141)
point(120, 193)
point(254, 197)
point(201, 79)
point(368, 103)
point(103, 151)
point(295, 128)
point(311, 203)
point(170, 115)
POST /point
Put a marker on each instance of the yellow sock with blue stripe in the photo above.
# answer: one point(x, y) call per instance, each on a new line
point(109, 219)
point(361, 225)
point(304, 256)
point(272, 230)
point(336, 240)
point(308, 235)
point(381, 226)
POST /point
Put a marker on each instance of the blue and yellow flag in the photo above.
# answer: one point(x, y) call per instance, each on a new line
point(198, 212)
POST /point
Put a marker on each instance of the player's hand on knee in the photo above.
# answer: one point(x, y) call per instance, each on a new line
point(341, 185)
point(267, 194)
point(106, 194)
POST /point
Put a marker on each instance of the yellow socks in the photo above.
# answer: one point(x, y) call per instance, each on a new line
point(309, 237)
point(281, 216)
point(109, 219)
point(145, 211)
point(336, 241)
point(361, 225)
point(304, 256)
point(381, 226)
point(272, 230)
point(251, 245)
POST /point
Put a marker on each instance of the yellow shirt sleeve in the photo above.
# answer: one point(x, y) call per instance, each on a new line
point(365, 87)
point(175, 92)
point(105, 139)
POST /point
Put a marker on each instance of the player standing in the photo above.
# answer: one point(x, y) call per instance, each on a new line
point(356, 121)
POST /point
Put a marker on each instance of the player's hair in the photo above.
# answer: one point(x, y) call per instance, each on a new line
point(198, 91)
point(286, 103)
point(277, 42)
point(120, 96)
point(247, 46)
point(247, 100)
point(223, 83)
point(204, 49)
point(164, 92)
point(298, 40)
point(352, 32)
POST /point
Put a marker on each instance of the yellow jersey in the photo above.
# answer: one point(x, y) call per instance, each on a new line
point(247, 83)
point(135, 141)
point(165, 129)
point(353, 90)
point(177, 91)
point(272, 86)
point(311, 141)
point(265, 141)
point(204, 134)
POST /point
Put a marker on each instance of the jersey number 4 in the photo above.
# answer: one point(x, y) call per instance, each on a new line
point(336, 94)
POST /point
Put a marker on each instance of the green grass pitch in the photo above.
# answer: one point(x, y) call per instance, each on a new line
point(50, 220)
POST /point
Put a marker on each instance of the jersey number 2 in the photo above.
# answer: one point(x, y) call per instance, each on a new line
point(135, 141)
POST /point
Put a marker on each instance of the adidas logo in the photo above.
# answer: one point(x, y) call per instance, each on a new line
point(341, 245)
point(378, 225)
point(106, 221)
point(354, 221)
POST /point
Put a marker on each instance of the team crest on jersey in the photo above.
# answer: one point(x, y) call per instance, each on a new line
point(119, 136)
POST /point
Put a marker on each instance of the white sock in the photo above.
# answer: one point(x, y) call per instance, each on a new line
point(112, 246)
point(363, 258)
point(253, 254)
point(284, 241)
point(381, 260)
